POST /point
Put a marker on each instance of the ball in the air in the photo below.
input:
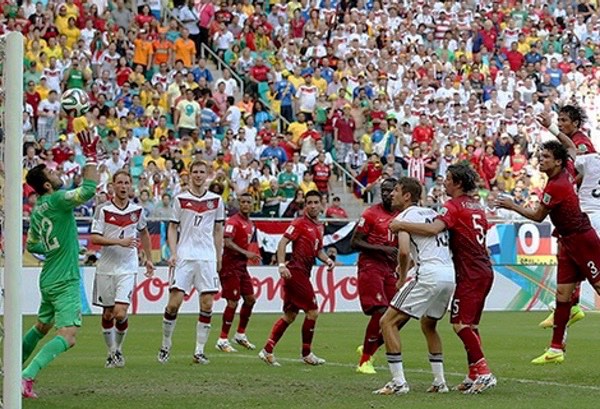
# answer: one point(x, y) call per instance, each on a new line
point(76, 101)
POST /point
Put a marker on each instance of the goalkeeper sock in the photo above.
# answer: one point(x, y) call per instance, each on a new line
point(120, 333)
point(108, 332)
point(30, 340)
point(47, 354)
point(169, 321)
point(202, 330)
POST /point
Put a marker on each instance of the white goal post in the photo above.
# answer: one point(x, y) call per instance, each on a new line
point(12, 82)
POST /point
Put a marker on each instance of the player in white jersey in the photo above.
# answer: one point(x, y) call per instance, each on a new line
point(116, 227)
point(195, 257)
point(588, 166)
point(425, 297)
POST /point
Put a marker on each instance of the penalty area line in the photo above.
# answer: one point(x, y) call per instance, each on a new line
point(454, 374)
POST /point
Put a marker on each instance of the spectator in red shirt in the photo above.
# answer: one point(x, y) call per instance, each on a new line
point(335, 211)
point(258, 73)
point(321, 174)
point(423, 132)
point(62, 151)
point(514, 57)
point(489, 165)
point(517, 160)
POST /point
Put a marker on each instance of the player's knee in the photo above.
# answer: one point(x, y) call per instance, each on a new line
point(458, 327)
point(232, 304)
point(290, 317)
point(108, 315)
point(312, 314)
point(43, 328)
point(250, 300)
point(206, 302)
point(428, 326)
point(120, 315)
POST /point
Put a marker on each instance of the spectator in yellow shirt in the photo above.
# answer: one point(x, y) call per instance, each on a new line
point(307, 183)
point(72, 33)
point(155, 157)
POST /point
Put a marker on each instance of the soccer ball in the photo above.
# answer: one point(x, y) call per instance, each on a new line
point(75, 100)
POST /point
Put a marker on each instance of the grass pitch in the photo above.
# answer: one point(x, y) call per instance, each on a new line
point(79, 380)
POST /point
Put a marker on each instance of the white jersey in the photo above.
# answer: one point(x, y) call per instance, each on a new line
point(112, 222)
point(196, 216)
point(589, 192)
point(429, 253)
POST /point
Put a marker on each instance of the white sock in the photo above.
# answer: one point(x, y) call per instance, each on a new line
point(109, 338)
point(168, 329)
point(437, 368)
point(202, 331)
point(119, 338)
point(396, 367)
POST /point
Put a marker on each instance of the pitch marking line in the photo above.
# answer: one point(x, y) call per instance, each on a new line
point(460, 375)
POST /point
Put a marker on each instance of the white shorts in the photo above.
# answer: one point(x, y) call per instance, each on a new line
point(419, 298)
point(113, 288)
point(199, 274)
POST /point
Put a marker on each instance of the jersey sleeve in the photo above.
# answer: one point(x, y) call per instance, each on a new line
point(70, 199)
point(293, 231)
point(230, 229)
point(220, 217)
point(449, 215)
point(552, 195)
point(176, 214)
point(98, 222)
point(410, 216)
point(34, 241)
point(364, 223)
point(580, 163)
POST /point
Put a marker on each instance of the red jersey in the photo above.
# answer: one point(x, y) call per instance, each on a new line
point(582, 142)
point(374, 224)
point(321, 174)
point(467, 224)
point(240, 229)
point(560, 196)
point(306, 236)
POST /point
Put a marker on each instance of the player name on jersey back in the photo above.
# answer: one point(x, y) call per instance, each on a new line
point(197, 216)
point(112, 222)
point(429, 251)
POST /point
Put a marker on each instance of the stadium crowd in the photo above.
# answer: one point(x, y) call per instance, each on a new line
point(384, 88)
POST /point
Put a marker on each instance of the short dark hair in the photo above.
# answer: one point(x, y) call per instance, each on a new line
point(119, 173)
point(575, 113)
point(412, 186)
point(392, 181)
point(312, 193)
point(465, 175)
point(558, 151)
point(36, 178)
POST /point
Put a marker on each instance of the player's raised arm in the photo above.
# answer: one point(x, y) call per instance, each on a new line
point(537, 215)
point(544, 120)
point(422, 229)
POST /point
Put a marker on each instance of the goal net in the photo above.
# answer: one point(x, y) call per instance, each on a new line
point(11, 226)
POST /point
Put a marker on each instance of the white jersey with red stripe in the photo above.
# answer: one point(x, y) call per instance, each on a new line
point(113, 222)
point(588, 166)
point(196, 216)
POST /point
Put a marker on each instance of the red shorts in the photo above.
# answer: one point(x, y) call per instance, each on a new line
point(298, 294)
point(376, 289)
point(469, 299)
point(235, 284)
point(579, 258)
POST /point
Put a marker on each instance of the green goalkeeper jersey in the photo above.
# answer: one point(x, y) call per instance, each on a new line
point(53, 233)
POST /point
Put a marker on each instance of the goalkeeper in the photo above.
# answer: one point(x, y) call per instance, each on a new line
point(53, 233)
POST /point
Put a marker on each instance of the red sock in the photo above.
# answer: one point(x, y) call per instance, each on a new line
point(228, 316)
point(561, 317)
point(276, 333)
point(576, 295)
point(245, 313)
point(472, 345)
point(308, 331)
point(372, 338)
point(108, 324)
point(476, 332)
point(122, 325)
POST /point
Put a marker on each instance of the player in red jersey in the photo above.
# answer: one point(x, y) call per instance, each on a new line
point(578, 256)
point(306, 235)
point(570, 121)
point(466, 221)
point(376, 269)
point(235, 280)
